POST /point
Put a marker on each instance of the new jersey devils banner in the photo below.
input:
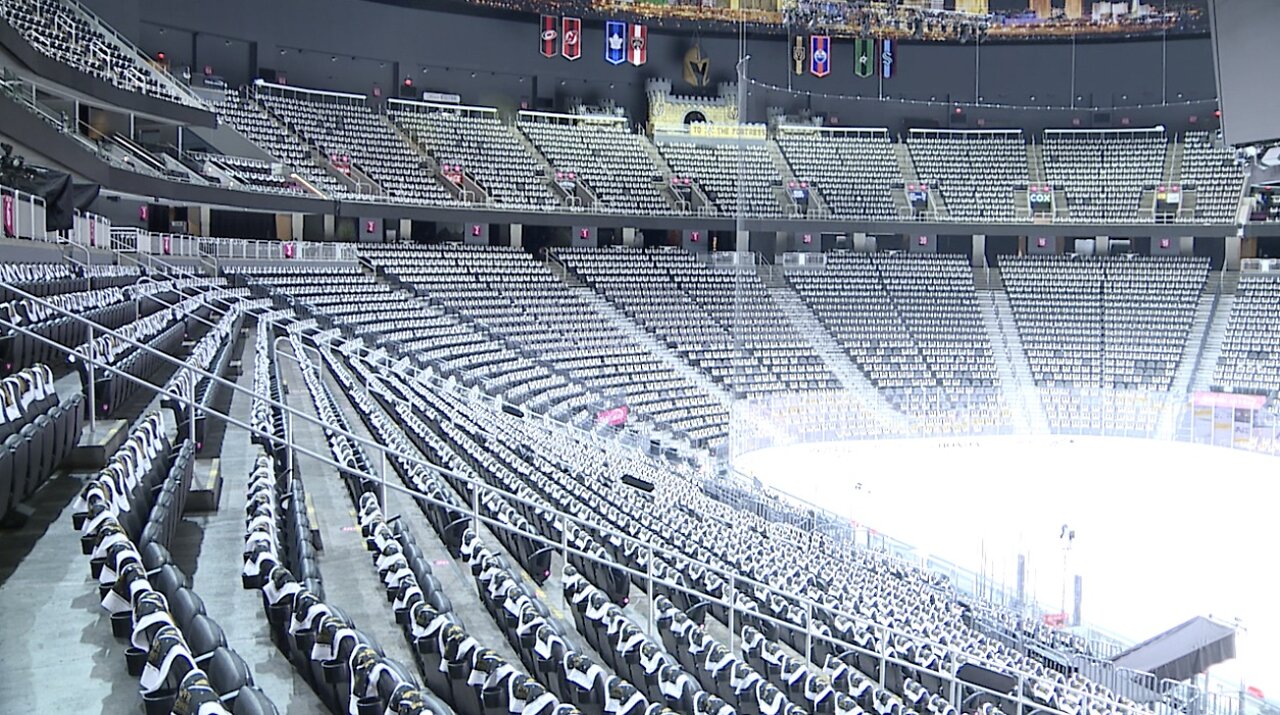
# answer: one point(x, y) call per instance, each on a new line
point(639, 51)
point(571, 37)
point(615, 42)
point(820, 55)
point(548, 36)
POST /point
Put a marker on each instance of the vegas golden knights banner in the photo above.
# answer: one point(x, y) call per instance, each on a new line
point(864, 52)
point(799, 56)
point(697, 67)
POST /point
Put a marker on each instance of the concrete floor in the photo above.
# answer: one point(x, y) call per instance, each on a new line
point(213, 543)
point(58, 654)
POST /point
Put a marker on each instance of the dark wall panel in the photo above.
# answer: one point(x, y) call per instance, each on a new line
point(496, 61)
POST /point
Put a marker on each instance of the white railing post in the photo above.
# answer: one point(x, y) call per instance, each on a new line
point(649, 589)
point(382, 480)
point(808, 633)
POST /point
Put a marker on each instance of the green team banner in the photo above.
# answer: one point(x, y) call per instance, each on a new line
point(864, 52)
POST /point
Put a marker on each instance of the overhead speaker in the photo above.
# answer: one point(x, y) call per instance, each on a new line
point(513, 411)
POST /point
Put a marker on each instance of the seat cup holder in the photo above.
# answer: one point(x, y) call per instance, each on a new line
point(160, 702)
point(135, 659)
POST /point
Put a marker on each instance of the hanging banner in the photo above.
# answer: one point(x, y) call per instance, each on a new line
point(613, 417)
point(820, 55)
point(888, 51)
point(864, 52)
point(10, 217)
point(615, 42)
point(639, 52)
point(798, 55)
point(548, 36)
point(571, 37)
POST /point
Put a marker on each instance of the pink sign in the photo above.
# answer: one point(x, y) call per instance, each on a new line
point(613, 417)
point(93, 233)
point(10, 217)
point(166, 244)
point(1228, 399)
point(288, 249)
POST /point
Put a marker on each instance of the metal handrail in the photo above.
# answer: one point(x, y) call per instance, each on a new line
point(111, 32)
point(732, 579)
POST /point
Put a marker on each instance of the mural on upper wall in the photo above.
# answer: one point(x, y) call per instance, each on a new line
point(920, 20)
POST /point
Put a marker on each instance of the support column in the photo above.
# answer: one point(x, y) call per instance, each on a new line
point(475, 234)
point(1231, 262)
point(979, 257)
point(406, 229)
point(296, 222)
point(631, 238)
point(698, 240)
point(517, 235)
point(330, 227)
point(206, 217)
point(585, 236)
point(1102, 245)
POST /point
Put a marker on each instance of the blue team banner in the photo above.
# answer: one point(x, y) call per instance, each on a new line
point(615, 42)
point(888, 53)
point(820, 55)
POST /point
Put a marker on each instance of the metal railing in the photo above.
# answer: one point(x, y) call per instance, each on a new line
point(24, 215)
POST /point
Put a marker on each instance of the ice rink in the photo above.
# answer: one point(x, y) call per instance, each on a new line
point(1164, 531)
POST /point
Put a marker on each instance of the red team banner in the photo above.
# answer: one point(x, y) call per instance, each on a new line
point(547, 38)
point(639, 52)
point(613, 417)
point(571, 37)
point(10, 217)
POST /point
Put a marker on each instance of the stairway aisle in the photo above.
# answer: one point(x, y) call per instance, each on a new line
point(1206, 360)
point(832, 354)
point(1013, 368)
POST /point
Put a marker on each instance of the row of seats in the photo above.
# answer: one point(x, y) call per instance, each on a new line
point(1249, 360)
point(212, 354)
point(127, 516)
point(611, 160)
point(1219, 181)
point(730, 174)
point(1113, 322)
point(912, 325)
point(64, 32)
point(243, 113)
point(856, 174)
point(723, 322)
point(38, 429)
point(341, 129)
point(454, 344)
point(975, 172)
point(161, 332)
point(485, 148)
point(1104, 173)
point(345, 667)
point(251, 174)
point(520, 299)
